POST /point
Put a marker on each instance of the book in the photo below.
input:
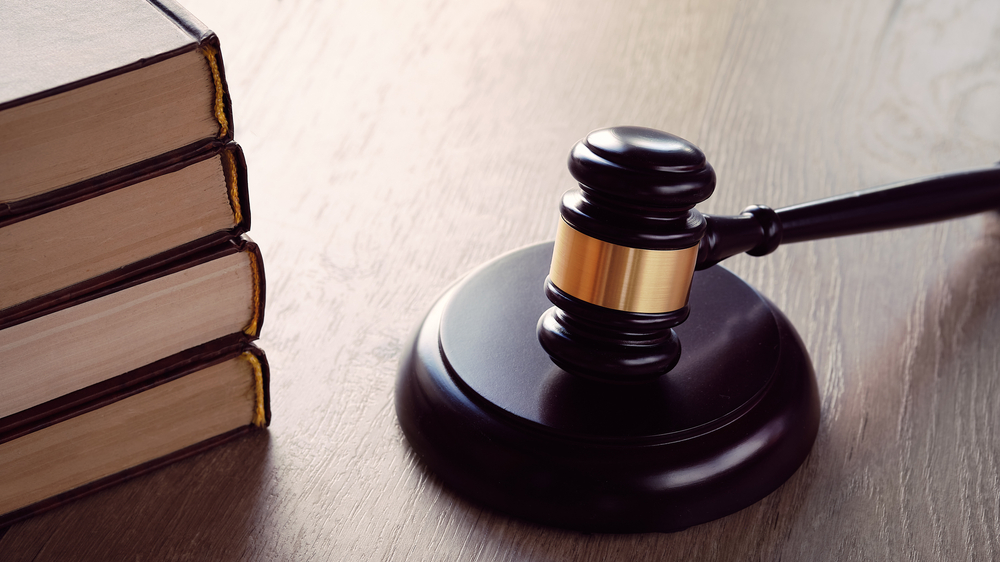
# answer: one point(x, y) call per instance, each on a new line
point(129, 293)
point(119, 225)
point(97, 336)
point(93, 86)
point(154, 415)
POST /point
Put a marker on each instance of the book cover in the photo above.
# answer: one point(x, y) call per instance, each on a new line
point(92, 86)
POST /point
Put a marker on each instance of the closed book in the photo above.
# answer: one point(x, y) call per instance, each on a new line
point(131, 424)
point(116, 226)
point(97, 336)
point(93, 86)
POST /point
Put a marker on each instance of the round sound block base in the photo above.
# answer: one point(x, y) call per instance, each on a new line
point(487, 410)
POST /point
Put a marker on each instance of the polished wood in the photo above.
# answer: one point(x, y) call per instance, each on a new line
point(731, 422)
point(394, 145)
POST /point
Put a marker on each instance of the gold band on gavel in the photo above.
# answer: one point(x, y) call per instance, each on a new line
point(619, 277)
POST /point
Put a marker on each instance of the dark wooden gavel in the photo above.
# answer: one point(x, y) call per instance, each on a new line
point(630, 241)
point(587, 414)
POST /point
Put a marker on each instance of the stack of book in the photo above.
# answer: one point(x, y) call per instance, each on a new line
point(129, 293)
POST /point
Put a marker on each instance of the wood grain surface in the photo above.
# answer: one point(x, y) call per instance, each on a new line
point(393, 145)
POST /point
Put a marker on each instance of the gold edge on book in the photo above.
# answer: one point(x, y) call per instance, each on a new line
point(233, 184)
point(253, 327)
point(220, 92)
point(259, 411)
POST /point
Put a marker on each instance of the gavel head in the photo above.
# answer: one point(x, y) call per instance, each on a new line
point(625, 254)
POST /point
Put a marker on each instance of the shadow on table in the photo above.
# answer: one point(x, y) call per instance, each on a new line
point(908, 467)
point(203, 507)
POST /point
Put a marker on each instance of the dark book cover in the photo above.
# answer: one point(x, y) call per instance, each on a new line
point(53, 48)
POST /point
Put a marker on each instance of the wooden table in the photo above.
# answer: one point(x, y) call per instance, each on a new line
point(393, 145)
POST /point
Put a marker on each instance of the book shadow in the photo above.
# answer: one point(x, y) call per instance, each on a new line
point(207, 504)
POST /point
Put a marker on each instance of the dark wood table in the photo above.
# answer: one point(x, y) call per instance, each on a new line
point(394, 145)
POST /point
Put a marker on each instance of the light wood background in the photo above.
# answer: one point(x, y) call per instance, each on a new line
point(395, 144)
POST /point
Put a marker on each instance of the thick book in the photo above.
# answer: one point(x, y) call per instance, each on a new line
point(93, 86)
point(153, 415)
point(95, 337)
point(115, 227)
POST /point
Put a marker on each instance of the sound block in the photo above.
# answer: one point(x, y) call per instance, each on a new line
point(485, 408)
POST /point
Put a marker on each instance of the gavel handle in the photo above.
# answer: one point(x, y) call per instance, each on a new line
point(759, 230)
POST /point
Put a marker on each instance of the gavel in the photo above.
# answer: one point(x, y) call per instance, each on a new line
point(630, 240)
point(618, 380)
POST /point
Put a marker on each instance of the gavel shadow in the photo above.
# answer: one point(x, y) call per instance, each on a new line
point(952, 318)
point(908, 443)
point(929, 407)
